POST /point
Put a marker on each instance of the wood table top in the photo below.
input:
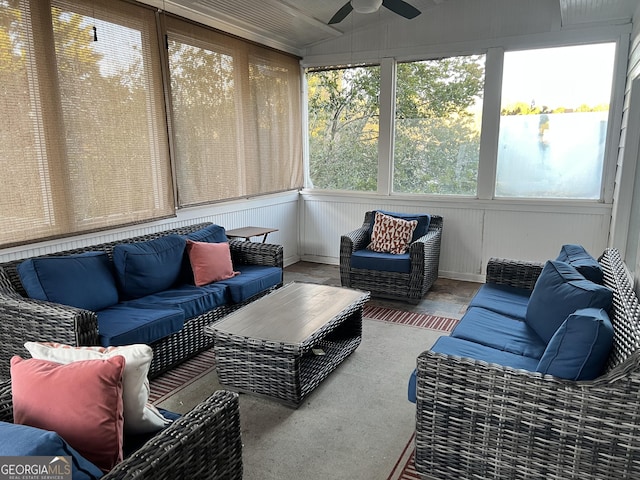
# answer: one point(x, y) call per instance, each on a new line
point(290, 314)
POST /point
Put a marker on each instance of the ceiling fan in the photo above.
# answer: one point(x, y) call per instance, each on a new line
point(400, 7)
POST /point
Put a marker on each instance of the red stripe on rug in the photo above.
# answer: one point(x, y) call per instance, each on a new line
point(404, 469)
point(414, 319)
point(181, 376)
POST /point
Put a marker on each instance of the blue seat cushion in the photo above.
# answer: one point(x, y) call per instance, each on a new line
point(143, 268)
point(499, 331)
point(559, 291)
point(192, 300)
point(510, 301)
point(210, 234)
point(253, 279)
point(580, 347)
point(27, 441)
point(85, 280)
point(421, 228)
point(581, 260)
point(125, 325)
point(386, 262)
point(413, 386)
point(466, 349)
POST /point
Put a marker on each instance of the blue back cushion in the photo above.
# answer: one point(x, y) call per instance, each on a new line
point(421, 229)
point(23, 440)
point(144, 268)
point(580, 347)
point(85, 280)
point(559, 291)
point(210, 234)
point(581, 260)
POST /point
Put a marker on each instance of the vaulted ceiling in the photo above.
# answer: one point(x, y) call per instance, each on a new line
point(295, 25)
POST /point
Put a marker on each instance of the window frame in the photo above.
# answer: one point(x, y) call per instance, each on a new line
point(494, 57)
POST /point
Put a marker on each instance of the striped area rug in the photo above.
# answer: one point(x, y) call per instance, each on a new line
point(188, 372)
point(432, 322)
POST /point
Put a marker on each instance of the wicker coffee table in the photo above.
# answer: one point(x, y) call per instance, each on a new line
point(285, 343)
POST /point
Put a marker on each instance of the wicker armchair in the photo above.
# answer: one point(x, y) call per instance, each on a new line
point(479, 420)
point(203, 444)
point(424, 253)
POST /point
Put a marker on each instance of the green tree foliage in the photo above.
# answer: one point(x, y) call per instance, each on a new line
point(436, 137)
point(343, 128)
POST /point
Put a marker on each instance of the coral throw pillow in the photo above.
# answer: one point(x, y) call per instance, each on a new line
point(210, 262)
point(390, 234)
point(139, 415)
point(81, 402)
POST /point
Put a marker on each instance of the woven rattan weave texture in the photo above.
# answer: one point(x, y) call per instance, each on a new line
point(425, 259)
point(483, 421)
point(204, 444)
point(23, 319)
point(289, 370)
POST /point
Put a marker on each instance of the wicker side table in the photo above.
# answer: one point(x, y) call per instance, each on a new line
point(284, 344)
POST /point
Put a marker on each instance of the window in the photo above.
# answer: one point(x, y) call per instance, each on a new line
point(553, 124)
point(236, 116)
point(437, 127)
point(83, 123)
point(343, 113)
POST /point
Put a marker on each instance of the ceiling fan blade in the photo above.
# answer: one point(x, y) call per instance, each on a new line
point(341, 14)
point(401, 8)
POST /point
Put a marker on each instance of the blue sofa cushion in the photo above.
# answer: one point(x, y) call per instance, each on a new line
point(386, 262)
point(144, 268)
point(459, 347)
point(581, 260)
point(463, 348)
point(581, 346)
point(122, 324)
point(210, 234)
point(559, 291)
point(85, 280)
point(510, 301)
point(253, 279)
point(192, 300)
point(421, 229)
point(24, 440)
point(499, 331)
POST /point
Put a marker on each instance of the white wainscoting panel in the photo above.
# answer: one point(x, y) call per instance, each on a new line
point(278, 211)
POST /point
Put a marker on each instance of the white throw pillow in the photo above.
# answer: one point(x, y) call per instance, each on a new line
point(139, 415)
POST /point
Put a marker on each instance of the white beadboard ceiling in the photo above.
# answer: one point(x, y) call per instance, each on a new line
point(294, 25)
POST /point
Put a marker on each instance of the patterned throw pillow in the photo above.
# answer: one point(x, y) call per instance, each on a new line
point(390, 234)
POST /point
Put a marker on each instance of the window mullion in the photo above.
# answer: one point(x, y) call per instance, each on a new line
point(490, 123)
point(387, 99)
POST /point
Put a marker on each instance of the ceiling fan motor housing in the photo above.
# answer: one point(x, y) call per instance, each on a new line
point(366, 6)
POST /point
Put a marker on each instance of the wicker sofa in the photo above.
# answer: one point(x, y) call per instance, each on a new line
point(203, 444)
point(481, 420)
point(23, 318)
point(424, 255)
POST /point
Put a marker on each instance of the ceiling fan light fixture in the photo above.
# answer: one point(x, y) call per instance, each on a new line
point(366, 6)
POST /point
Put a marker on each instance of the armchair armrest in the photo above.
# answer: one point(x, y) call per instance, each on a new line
point(479, 420)
point(349, 243)
point(254, 253)
point(515, 273)
point(23, 319)
point(203, 444)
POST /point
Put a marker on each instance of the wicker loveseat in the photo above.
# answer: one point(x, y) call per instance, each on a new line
point(480, 420)
point(424, 257)
point(205, 443)
point(25, 319)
